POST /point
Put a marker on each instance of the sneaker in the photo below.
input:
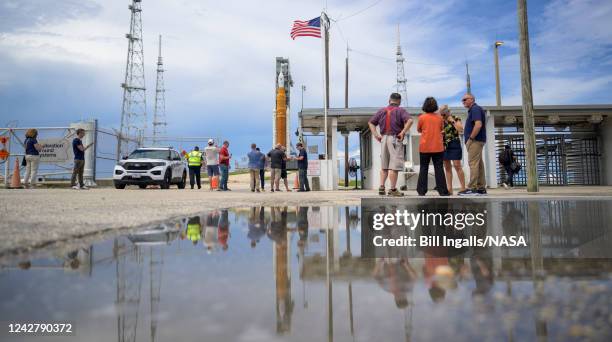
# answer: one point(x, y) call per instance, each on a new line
point(271, 190)
point(482, 191)
point(76, 187)
point(84, 187)
point(395, 193)
point(258, 190)
point(505, 186)
point(467, 192)
point(381, 191)
point(253, 190)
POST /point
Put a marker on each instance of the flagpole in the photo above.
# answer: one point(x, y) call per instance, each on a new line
point(325, 26)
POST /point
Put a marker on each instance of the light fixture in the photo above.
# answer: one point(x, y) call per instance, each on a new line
point(595, 119)
point(553, 119)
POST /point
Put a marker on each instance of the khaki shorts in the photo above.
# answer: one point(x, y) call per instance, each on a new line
point(391, 153)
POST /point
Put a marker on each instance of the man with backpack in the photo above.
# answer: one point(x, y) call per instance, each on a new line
point(508, 160)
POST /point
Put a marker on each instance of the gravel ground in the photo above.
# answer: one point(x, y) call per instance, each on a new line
point(37, 217)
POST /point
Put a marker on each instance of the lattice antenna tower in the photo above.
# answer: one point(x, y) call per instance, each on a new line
point(159, 114)
point(467, 78)
point(401, 76)
point(134, 109)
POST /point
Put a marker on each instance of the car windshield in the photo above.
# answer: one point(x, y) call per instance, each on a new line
point(150, 154)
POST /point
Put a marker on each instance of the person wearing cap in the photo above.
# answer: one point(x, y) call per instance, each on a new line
point(393, 122)
point(194, 161)
point(212, 161)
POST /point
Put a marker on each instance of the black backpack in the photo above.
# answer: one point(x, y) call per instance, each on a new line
point(505, 158)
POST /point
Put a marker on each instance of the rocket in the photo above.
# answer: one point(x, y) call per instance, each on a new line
point(281, 111)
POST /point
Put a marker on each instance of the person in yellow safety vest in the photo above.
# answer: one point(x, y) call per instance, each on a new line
point(194, 229)
point(194, 161)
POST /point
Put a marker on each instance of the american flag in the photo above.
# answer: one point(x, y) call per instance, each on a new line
point(306, 28)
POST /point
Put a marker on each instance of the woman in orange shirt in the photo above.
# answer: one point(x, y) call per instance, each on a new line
point(431, 147)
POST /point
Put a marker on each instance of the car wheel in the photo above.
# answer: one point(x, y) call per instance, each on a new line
point(183, 181)
point(119, 186)
point(142, 186)
point(167, 180)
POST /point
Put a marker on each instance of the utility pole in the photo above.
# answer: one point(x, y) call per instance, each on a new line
point(159, 114)
point(134, 108)
point(346, 136)
point(528, 124)
point(497, 86)
point(325, 25)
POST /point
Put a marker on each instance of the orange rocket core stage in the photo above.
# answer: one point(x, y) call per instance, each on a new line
point(281, 117)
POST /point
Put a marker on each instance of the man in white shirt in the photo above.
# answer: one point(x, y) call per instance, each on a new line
point(212, 161)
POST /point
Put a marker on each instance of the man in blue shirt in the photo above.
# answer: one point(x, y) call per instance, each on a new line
point(475, 137)
point(262, 171)
point(79, 160)
point(303, 168)
point(255, 158)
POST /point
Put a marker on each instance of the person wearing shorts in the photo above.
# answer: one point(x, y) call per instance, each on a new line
point(393, 122)
point(284, 172)
point(212, 161)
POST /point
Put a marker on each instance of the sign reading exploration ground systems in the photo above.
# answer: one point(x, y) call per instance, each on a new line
point(56, 150)
point(461, 227)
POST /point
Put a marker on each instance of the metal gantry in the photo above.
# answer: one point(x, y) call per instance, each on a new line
point(134, 108)
point(159, 113)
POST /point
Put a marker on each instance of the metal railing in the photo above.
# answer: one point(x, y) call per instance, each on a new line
point(564, 158)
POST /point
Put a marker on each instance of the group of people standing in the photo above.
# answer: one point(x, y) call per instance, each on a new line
point(217, 161)
point(277, 157)
point(32, 159)
point(217, 164)
point(440, 144)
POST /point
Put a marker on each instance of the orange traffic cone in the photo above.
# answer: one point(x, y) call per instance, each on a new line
point(215, 182)
point(296, 183)
point(16, 180)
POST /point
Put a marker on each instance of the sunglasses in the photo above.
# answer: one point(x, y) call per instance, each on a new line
point(463, 100)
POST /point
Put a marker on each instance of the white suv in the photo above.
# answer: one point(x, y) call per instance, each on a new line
point(161, 166)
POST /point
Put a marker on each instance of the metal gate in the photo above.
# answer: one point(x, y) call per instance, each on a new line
point(563, 158)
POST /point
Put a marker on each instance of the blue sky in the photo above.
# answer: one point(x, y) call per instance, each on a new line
point(62, 61)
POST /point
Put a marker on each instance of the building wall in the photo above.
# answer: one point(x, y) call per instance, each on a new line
point(605, 132)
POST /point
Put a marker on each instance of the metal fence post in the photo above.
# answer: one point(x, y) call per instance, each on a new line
point(8, 159)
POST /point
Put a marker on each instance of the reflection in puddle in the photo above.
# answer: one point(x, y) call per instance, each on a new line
point(296, 274)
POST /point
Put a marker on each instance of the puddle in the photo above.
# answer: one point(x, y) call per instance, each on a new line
point(278, 274)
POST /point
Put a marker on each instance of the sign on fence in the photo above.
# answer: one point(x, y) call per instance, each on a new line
point(314, 168)
point(56, 150)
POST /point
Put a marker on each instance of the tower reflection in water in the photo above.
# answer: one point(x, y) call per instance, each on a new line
point(556, 286)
